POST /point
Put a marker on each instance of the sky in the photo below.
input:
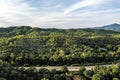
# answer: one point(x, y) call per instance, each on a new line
point(59, 13)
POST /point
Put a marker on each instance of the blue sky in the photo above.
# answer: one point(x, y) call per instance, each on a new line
point(59, 13)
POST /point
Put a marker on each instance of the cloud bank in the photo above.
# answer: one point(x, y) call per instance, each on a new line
point(59, 13)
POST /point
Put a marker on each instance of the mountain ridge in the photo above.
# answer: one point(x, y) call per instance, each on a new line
point(113, 27)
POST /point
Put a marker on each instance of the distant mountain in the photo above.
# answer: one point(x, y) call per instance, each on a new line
point(114, 27)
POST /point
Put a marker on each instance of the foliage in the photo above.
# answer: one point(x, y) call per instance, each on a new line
point(26, 46)
point(30, 73)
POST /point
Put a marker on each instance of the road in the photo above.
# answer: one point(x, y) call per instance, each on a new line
point(70, 68)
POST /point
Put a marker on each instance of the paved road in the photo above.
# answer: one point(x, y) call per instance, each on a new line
point(70, 68)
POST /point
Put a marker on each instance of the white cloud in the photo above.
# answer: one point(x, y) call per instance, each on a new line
point(82, 4)
point(19, 12)
point(14, 12)
point(87, 19)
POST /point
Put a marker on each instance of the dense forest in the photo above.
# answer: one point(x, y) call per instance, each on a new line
point(27, 46)
point(8, 72)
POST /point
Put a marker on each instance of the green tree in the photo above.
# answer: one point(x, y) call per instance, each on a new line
point(81, 70)
point(88, 73)
point(97, 77)
point(64, 69)
point(115, 78)
point(2, 79)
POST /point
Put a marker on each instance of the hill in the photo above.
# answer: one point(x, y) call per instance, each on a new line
point(27, 30)
point(27, 46)
point(114, 27)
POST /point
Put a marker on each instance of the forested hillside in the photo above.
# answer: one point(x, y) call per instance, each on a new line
point(27, 46)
